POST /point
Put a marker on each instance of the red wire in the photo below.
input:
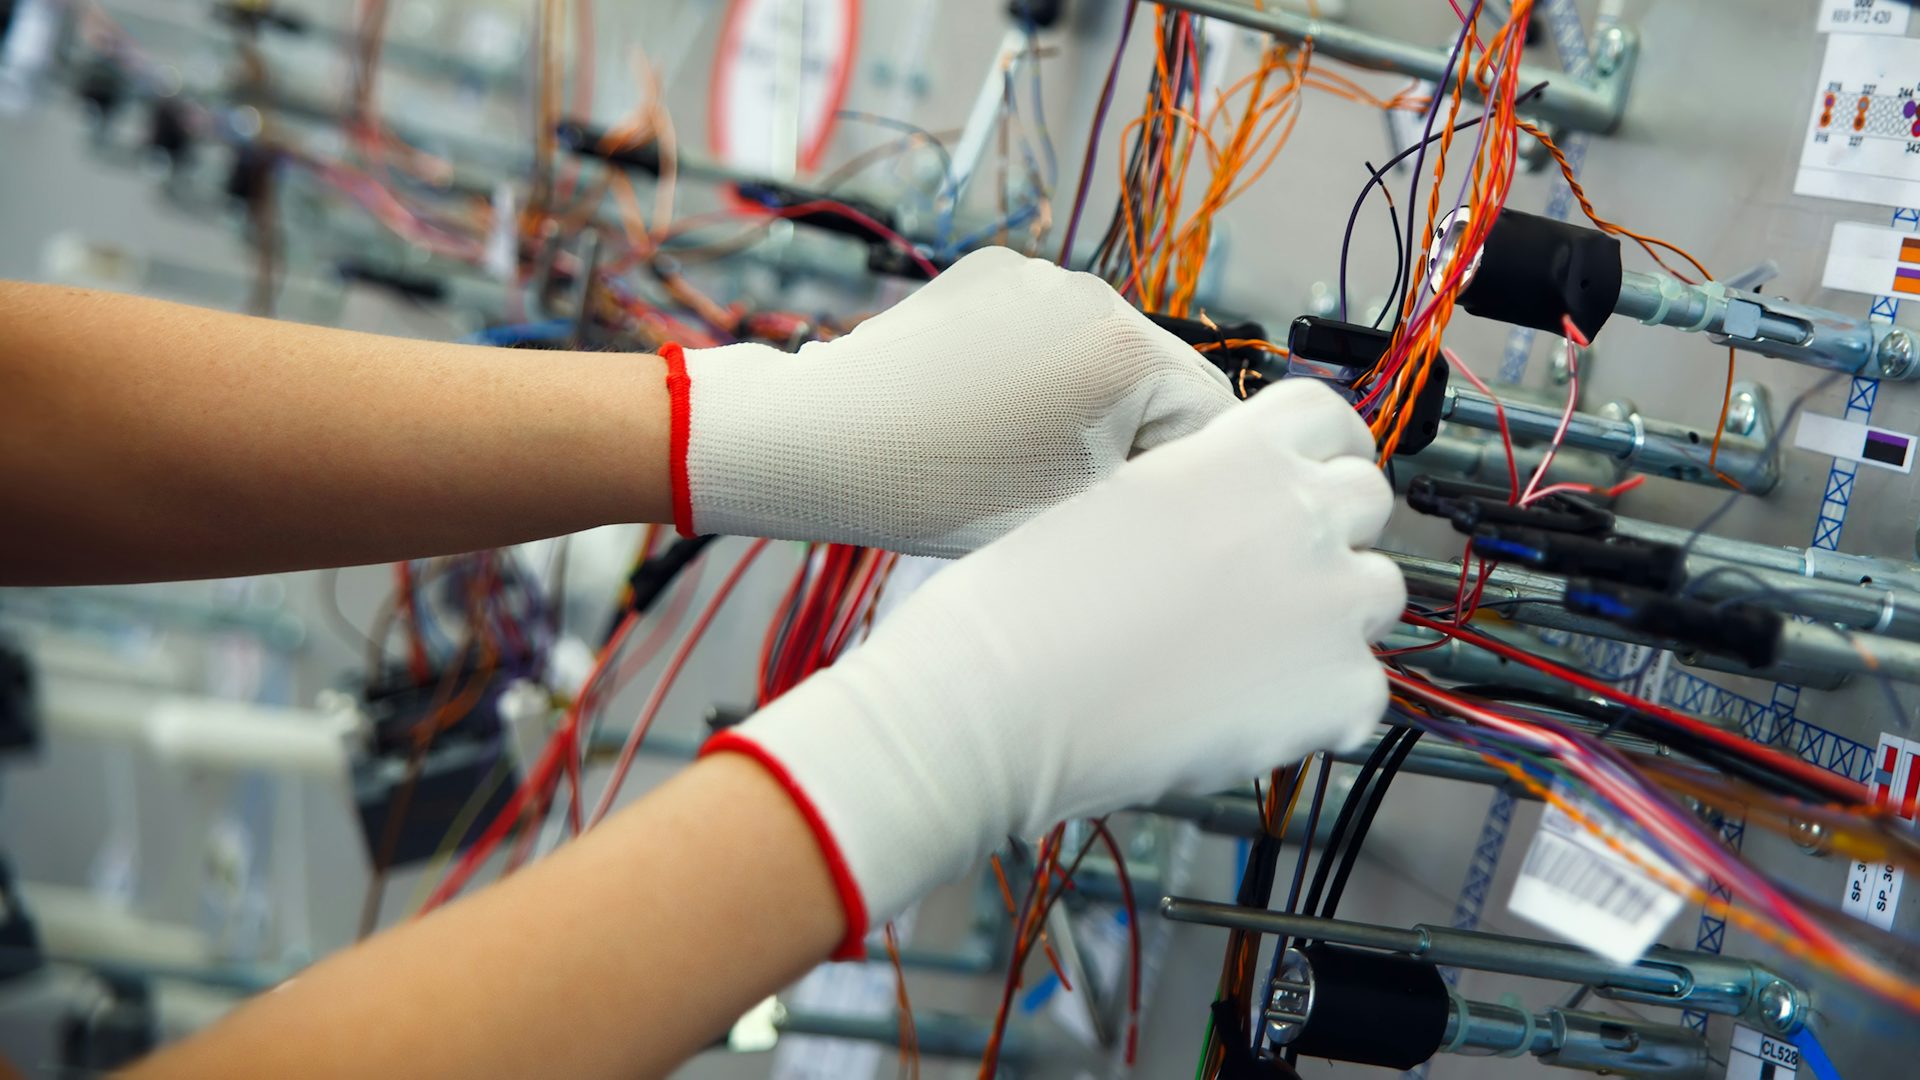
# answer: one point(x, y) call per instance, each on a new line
point(1839, 788)
point(779, 617)
point(417, 664)
point(1133, 937)
point(667, 678)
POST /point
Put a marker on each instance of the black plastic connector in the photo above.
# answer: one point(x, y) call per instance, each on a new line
point(19, 701)
point(1354, 350)
point(1040, 14)
point(1744, 632)
point(417, 287)
point(1471, 506)
point(102, 87)
point(1618, 560)
point(785, 197)
point(1236, 363)
point(260, 17)
point(887, 259)
point(251, 176)
point(1534, 271)
point(168, 131)
point(589, 141)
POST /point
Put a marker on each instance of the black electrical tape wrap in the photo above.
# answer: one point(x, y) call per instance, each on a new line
point(1373, 1009)
point(1534, 271)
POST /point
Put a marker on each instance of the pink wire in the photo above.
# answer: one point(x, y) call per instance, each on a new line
point(1500, 411)
point(1575, 339)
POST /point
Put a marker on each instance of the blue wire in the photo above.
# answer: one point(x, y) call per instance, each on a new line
point(522, 333)
point(1814, 1056)
point(1013, 221)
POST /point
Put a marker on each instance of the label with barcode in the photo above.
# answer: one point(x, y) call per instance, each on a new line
point(1578, 887)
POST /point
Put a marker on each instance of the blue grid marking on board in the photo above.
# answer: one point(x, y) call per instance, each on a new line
point(1811, 742)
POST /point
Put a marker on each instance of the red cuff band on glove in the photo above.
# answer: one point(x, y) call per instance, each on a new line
point(680, 426)
point(854, 945)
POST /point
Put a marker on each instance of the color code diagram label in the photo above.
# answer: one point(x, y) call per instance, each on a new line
point(1873, 889)
point(1754, 1056)
point(1849, 441)
point(1863, 138)
point(1872, 260)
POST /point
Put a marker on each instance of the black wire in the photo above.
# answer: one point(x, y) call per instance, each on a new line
point(1399, 257)
point(1375, 797)
point(1349, 809)
point(1378, 179)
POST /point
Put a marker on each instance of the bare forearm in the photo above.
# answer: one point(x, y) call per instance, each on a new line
point(621, 956)
point(144, 440)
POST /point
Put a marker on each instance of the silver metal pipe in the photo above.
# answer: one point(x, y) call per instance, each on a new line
point(1644, 444)
point(1456, 661)
point(1770, 326)
point(1565, 102)
point(1808, 660)
point(1664, 977)
point(1578, 1040)
point(1475, 457)
point(1809, 563)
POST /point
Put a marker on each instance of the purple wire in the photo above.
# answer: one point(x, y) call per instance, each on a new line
point(1426, 137)
point(1093, 137)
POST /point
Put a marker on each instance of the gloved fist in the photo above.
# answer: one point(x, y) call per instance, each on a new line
point(1199, 618)
point(1001, 388)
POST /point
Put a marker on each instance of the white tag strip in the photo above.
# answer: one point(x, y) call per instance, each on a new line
point(1849, 441)
point(1863, 16)
point(1872, 891)
point(1578, 887)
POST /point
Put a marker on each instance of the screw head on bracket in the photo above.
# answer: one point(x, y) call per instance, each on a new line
point(1810, 837)
point(1779, 1007)
point(1743, 412)
point(1895, 356)
point(1612, 50)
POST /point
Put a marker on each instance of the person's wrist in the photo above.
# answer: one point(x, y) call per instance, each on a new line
point(889, 757)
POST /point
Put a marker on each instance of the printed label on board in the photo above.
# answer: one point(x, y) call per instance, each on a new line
point(1849, 441)
point(1872, 890)
point(1754, 1056)
point(1873, 260)
point(1578, 887)
point(1863, 136)
point(1864, 16)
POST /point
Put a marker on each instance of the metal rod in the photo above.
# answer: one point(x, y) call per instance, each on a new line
point(1644, 444)
point(1578, 1040)
point(1665, 977)
point(1808, 563)
point(1472, 456)
point(1771, 326)
point(1565, 102)
point(1804, 659)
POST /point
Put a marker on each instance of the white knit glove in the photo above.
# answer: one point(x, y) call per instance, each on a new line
point(1004, 386)
point(1199, 618)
